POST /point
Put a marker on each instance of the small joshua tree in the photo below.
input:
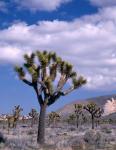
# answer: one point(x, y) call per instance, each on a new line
point(12, 119)
point(44, 67)
point(34, 115)
point(71, 118)
point(84, 118)
point(78, 112)
point(94, 110)
point(110, 121)
point(53, 118)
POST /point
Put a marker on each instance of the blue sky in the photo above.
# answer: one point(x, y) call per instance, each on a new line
point(81, 31)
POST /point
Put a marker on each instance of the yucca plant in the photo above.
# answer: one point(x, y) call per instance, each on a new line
point(44, 68)
point(94, 110)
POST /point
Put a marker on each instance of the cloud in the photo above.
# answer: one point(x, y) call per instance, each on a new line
point(103, 3)
point(41, 5)
point(9, 53)
point(88, 42)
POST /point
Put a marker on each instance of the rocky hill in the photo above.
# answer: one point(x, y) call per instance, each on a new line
point(101, 101)
point(111, 116)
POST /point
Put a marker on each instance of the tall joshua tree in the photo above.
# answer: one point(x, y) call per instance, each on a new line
point(44, 67)
point(78, 112)
point(94, 110)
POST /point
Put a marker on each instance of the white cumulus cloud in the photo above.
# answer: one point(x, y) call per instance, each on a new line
point(9, 53)
point(88, 42)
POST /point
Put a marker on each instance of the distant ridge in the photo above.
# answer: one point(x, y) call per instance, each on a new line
point(100, 100)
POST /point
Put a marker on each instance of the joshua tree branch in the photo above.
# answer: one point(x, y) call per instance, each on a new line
point(54, 97)
point(61, 83)
point(26, 81)
point(87, 109)
point(57, 94)
point(39, 96)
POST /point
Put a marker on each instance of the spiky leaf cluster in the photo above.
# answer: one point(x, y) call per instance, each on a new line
point(20, 72)
point(78, 82)
point(78, 109)
point(17, 110)
point(48, 83)
point(29, 59)
point(44, 58)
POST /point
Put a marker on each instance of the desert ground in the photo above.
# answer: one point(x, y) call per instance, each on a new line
point(61, 136)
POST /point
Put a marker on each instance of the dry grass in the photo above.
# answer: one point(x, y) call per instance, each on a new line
point(60, 138)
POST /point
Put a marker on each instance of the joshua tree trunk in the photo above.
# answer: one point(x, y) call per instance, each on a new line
point(77, 121)
point(92, 118)
point(54, 123)
point(41, 125)
point(32, 122)
point(96, 122)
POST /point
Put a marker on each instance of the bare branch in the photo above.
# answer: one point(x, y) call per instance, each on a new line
point(39, 95)
point(86, 108)
point(26, 81)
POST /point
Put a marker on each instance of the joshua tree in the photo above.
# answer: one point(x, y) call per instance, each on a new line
point(34, 115)
point(94, 110)
point(12, 120)
point(71, 118)
point(78, 112)
point(44, 67)
point(53, 118)
point(23, 119)
point(110, 121)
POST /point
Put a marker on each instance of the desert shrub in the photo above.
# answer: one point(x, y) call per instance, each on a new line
point(77, 143)
point(106, 129)
point(100, 140)
point(30, 132)
point(89, 137)
point(114, 147)
point(72, 129)
point(48, 147)
point(97, 138)
point(16, 144)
